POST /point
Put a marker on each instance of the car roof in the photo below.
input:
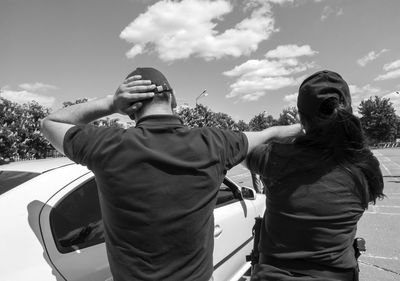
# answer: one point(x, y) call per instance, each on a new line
point(37, 166)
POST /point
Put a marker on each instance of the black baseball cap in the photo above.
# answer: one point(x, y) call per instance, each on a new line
point(320, 86)
point(157, 78)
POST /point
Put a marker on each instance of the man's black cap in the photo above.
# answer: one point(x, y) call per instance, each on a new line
point(318, 87)
point(157, 78)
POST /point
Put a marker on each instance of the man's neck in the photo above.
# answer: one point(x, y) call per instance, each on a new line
point(154, 109)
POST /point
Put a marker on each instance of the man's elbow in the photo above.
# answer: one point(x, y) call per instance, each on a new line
point(43, 126)
point(54, 132)
point(47, 128)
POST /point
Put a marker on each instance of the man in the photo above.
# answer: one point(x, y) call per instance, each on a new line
point(158, 181)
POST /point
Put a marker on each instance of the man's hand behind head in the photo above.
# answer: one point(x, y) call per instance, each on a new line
point(127, 99)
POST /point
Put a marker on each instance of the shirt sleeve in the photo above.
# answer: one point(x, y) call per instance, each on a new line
point(257, 159)
point(235, 147)
point(84, 144)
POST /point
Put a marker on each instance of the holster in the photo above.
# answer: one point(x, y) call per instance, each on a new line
point(359, 246)
point(254, 255)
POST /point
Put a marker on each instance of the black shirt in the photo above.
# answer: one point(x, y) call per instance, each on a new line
point(157, 187)
point(312, 206)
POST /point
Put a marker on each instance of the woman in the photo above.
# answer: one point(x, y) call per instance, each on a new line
point(317, 188)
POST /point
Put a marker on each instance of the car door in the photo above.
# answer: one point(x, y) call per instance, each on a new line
point(73, 232)
point(234, 220)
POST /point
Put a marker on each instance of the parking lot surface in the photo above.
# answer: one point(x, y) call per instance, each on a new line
point(380, 225)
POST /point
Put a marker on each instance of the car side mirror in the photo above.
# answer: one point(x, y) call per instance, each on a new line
point(248, 193)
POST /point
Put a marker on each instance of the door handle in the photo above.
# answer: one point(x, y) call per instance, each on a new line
point(217, 231)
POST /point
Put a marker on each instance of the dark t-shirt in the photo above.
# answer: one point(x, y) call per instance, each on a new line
point(157, 187)
point(312, 206)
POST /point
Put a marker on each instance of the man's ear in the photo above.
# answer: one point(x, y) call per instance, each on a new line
point(173, 100)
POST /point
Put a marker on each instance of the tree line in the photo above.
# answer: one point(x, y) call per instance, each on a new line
point(20, 136)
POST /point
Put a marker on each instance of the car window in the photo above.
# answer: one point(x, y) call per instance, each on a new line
point(225, 195)
point(243, 177)
point(11, 179)
point(76, 220)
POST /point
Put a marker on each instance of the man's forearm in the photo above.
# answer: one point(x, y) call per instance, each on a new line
point(272, 133)
point(83, 113)
point(55, 126)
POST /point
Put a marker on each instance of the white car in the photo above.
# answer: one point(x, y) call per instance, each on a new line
point(51, 227)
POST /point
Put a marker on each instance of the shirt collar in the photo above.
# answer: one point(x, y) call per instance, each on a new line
point(167, 119)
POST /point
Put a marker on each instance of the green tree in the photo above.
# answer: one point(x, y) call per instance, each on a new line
point(261, 122)
point(33, 144)
point(193, 117)
point(397, 127)
point(8, 126)
point(222, 121)
point(202, 116)
point(289, 116)
point(20, 130)
point(243, 126)
point(378, 119)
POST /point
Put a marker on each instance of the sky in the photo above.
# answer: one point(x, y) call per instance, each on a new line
point(250, 55)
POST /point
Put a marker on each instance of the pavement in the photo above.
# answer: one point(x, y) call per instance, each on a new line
point(380, 225)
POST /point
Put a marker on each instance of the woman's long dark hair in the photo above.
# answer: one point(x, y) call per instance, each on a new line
point(338, 133)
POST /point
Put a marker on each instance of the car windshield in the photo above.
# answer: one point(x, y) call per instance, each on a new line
point(10, 179)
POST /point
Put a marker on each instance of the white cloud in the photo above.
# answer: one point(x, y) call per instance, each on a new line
point(278, 70)
point(253, 96)
point(37, 86)
point(367, 89)
point(371, 56)
point(291, 99)
point(392, 71)
point(24, 96)
point(340, 12)
point(392, 65)
point(29, 92)
point(358, 94)
point(389, 75)
point(395, 99)
point(290, 51)
point(327, 11)
point(134, 51)
point(177, 30)
point(281, 2)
